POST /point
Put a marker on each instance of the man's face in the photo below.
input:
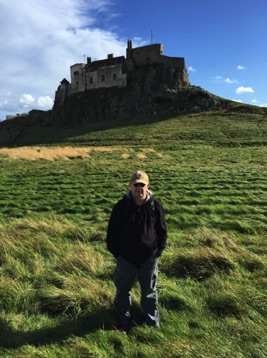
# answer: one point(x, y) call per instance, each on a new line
point(139, 191)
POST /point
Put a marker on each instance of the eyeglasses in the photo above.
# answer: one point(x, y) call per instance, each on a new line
point(139, 184)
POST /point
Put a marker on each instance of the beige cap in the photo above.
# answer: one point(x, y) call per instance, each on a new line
point(139, 177)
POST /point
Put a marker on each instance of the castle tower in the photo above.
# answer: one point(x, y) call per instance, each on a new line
point(129, 48)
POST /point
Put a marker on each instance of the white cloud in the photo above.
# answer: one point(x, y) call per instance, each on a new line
point(26, 100)
point(45, 102)
point(242, 89)
point(230, 81)
point(254, 101)
point(191, 69)
point(40, 40)
point(239, 67)
point(227, 80)
point(238, 100)
point(263, 105)
point(3, 104)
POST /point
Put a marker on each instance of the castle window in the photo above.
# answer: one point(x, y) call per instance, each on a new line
point(91, 80)
point(103, 78)
point(114, 76)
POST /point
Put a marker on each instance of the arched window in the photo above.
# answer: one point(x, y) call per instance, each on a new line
point(114, 76)
point(103, 78)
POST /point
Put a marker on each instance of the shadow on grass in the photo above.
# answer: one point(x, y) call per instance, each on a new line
point(100, 319)
point(32, 132)
point(198, 267)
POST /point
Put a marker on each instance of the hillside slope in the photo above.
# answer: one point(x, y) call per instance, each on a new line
point(109, 108)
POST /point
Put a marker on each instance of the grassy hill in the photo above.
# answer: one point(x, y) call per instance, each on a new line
point(70, 123)
point(57, 188)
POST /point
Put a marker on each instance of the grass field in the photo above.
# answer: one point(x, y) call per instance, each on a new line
point(56, 292)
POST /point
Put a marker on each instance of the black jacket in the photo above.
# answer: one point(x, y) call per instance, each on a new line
point(137, 233)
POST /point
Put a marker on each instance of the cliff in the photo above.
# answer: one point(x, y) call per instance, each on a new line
point(139, 99)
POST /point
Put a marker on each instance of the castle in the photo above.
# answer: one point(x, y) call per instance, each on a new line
point(120, 71)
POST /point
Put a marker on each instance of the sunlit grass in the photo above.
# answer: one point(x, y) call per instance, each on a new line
point(56, 289)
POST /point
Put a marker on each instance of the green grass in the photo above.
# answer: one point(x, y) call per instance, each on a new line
point(56, 290)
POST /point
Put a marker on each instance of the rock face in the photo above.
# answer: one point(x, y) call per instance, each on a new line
point(139, 99)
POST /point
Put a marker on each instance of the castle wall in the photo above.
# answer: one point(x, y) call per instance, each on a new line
point(176, 62)
point(103, 73)
point(141, 55)
point(77, 80)
point(151, 53)
point(116, 71)
point(106, 77)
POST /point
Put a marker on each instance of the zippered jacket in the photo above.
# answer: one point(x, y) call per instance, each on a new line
point(137, 233)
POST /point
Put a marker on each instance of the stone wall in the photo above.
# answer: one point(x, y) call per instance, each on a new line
point(144, 54)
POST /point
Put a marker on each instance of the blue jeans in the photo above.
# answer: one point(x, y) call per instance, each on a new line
point(124, 277)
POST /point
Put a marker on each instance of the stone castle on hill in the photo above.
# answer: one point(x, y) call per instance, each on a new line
point(141, 85)
point(145, 64)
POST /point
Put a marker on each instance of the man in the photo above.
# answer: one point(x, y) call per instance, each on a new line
point(136, 236)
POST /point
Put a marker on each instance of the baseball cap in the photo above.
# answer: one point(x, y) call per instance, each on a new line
point(139, 177)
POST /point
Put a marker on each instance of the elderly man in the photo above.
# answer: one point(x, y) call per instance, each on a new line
point(136, 236)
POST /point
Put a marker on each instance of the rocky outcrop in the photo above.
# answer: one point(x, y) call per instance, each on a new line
point(137, 100)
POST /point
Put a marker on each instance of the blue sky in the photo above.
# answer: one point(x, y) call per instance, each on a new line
point(223, 43)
